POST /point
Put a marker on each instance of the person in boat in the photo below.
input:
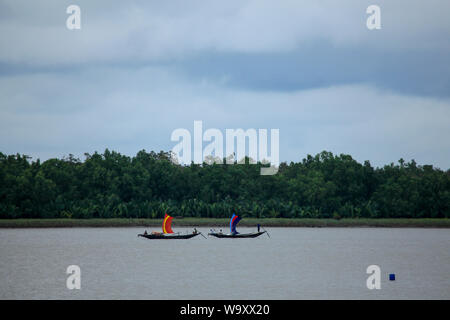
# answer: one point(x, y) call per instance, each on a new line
point(195, 231)
point(145, 232)
point(220, 230)
point(259, 226)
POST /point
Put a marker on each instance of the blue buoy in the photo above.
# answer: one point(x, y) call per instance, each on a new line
point(392, 277)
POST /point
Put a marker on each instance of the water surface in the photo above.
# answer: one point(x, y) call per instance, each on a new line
point(294, 263)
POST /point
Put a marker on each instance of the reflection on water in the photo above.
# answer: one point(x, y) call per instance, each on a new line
point(295, 263)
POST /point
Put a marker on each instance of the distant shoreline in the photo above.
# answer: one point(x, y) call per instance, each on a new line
point(221, 222)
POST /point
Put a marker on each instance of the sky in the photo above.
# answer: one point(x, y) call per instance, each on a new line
point(138, 70)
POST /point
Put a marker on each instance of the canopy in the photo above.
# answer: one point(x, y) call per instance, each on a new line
point(167, 223)
point(233, 223)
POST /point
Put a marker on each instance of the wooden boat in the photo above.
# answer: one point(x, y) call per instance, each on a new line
point(168, 233)
point(237, 235)
point(233, 233)
point(164, 236)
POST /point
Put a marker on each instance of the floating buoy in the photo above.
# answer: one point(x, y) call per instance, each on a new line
point(392, 277)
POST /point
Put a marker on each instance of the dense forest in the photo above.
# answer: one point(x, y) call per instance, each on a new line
point(112, 185)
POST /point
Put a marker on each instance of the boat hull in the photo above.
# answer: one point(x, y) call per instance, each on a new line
point(168, 237)
point(238, 235)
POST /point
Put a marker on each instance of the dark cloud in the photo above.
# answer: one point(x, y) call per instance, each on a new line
point(423, 72)
point(135, 72)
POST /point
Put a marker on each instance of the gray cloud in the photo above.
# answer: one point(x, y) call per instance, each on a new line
point(131, 110)
point(135, 72)
point(34, 32)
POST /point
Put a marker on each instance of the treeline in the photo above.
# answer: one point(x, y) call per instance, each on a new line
point(112, 185)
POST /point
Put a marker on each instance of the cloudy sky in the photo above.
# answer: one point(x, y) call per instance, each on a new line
point(137, 70)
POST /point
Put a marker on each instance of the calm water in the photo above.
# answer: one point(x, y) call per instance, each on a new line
point(295, 263)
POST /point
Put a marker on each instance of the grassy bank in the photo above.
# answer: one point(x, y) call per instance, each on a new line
point(212, 222)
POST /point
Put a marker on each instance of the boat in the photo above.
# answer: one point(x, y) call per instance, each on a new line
point(233, 233)
point(163, 236)
point(239, 235)
point(167, 232)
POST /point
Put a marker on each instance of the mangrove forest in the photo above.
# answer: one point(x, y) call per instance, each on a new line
point(113, 185)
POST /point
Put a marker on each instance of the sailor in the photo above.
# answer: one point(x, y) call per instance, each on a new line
point(145, 232)
point(195, 231)
point(259, 226)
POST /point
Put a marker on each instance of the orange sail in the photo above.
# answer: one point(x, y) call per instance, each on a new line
point(167, 223)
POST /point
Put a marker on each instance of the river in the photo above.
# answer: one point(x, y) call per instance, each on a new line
point(294, 263)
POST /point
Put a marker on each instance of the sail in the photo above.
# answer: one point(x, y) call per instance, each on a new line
point(167, 223)
point(233, 223)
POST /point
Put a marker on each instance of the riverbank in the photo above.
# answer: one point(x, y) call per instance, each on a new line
point(213, 222)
